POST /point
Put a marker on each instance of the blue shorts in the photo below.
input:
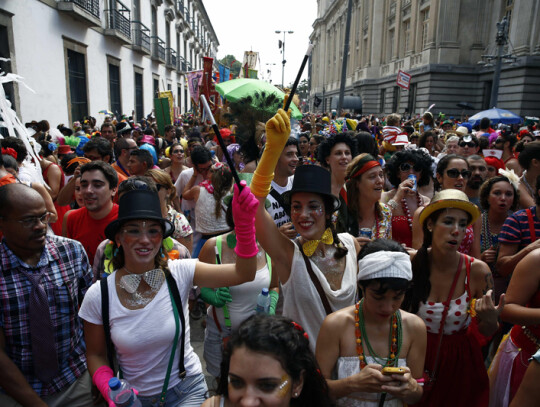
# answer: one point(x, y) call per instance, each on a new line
point(190, 392)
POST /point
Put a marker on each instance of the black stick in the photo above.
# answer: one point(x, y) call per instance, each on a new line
point(221, 142)
point(297, 80)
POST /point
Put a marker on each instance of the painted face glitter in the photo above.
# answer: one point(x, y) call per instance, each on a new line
point(284, 386)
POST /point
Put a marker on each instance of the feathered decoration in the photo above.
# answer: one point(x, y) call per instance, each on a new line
point(512, 177)
point(14, 126)
point(72, 141)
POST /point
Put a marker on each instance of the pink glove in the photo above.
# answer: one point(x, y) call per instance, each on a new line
point(244, 206)
point(101, 380)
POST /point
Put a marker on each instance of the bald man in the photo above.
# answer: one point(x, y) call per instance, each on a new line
point(41, 280)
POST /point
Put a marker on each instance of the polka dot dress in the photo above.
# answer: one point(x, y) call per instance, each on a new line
point(457, 319)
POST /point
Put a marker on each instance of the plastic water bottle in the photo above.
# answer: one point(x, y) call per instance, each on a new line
point(263, 302)
point(121, 393)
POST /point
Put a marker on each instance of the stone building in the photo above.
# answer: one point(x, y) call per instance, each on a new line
point(84, 56)
point(439, 43)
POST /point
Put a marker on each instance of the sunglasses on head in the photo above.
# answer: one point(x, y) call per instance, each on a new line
point(455, 173)
point(467, 144)
point(407, 167)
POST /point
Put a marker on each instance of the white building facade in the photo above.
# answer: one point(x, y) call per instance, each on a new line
point(440, 43)
point(85, 56)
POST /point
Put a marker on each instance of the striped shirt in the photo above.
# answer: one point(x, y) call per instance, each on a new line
point(516, 228)
point(67, 276)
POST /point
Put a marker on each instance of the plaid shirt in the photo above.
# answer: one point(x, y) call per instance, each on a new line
point(67, 277)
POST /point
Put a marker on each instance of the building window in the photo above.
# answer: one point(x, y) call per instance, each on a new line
point(77, 85)
point(508, 12)
point(5, 66)
point(390, 47)
point(407, 35)
point(425, 27)
point(382, 101)
point(411, 103)
point(156, 87)
point(114, 89)
point(139, 100)
point(396, 99)
point(179, 97)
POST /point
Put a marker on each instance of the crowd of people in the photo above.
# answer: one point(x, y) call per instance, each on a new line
point(399, 257)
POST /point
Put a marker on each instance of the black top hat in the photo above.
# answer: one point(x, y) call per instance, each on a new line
point(122, 127)
point(314, 179)
point(138, 204)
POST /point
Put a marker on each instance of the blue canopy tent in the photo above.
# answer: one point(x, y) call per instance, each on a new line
point(496, 116)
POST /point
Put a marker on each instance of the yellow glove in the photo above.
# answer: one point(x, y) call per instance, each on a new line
point(278, 130)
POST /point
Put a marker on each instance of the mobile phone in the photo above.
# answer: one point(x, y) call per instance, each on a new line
point(393, 370)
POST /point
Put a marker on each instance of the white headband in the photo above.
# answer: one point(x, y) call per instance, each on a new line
point(385, 264)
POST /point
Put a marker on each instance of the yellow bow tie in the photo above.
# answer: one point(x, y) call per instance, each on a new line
point(310, 246)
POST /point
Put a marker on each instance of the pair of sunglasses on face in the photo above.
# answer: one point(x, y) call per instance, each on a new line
point(467, 144)
point(407, 167)
point(455, 173)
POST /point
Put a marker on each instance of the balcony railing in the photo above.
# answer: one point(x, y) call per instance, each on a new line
point(158, 48)
point(171, 58)
point(119, 18)
point(141, 36)
point(182, 64)
point(91, 6)
point(180, 5)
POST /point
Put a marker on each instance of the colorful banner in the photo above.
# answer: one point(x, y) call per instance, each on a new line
point(222, 75)
point(403, 79)
point(226, 74)
point(194, 80)
point(252, 73)
point(168, 94)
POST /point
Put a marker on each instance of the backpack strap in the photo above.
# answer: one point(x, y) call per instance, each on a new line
point(105, 318)
point(173, 287)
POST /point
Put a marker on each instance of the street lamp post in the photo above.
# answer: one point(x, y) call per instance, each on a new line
point(501, 40)
point(283, 61)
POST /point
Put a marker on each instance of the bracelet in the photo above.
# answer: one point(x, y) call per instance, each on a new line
point(472, 308)
point(392, 204)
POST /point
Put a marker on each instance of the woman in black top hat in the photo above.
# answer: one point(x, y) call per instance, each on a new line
point(318, 250)
point(146, 317)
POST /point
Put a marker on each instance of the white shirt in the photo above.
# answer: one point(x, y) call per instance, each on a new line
point(188, 206)
point(143, 337)
point(276, 211)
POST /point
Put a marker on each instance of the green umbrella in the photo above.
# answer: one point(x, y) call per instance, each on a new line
point(242, 88)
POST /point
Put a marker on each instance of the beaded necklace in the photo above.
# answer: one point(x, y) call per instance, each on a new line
point(394, 341)
point(406, 210)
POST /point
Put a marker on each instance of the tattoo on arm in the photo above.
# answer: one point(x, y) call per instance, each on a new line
point(489, 283)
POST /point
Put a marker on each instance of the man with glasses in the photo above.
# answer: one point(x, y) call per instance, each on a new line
point(122, 150)
point(478, 168)
point(201, 158)
point(42, 277)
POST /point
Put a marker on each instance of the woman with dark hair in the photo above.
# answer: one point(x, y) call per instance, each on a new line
point(353, 345)
point(404, 198)
point(335, 153)
point(365, 181)
point(427, 140)
point(452, 173)
point(367, 143)
point(499, 198)
point(529, 160)
point(268, 362)
point(146, 326)
point(178, 159)
point(449, 288)
point(318, 255)
point(303, 147)
point(314, 142)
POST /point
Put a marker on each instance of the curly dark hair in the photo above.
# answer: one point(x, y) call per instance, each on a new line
point(280, 338)
point(18, 145)
point(423, 138)
point(485, 190)
point(325, 148)
point(367, 143)
point(417, 157)
point(530, 151)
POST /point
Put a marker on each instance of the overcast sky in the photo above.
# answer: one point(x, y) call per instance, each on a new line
point(250, 25)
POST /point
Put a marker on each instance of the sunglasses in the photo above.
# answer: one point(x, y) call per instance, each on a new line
point(468, 144)
point(455, 173)
point(407, 167)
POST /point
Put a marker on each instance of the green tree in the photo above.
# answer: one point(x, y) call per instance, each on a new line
point(232, 63)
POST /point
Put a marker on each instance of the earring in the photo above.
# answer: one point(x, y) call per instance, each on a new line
point(295, 394)
point(161, 252)
point(115, 251)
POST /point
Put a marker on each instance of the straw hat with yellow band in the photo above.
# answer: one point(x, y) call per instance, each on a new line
point(450, 199)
